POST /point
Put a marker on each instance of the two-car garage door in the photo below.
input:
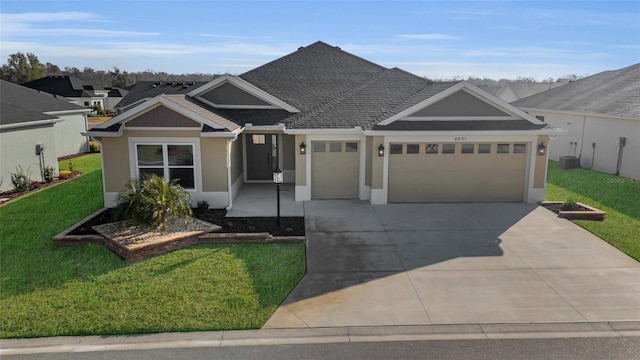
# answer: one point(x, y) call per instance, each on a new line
point(457, 172)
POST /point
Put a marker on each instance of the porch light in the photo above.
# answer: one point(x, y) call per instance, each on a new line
point(381, 150)
point(278, 179)
point(542, 149)
point(303, 148)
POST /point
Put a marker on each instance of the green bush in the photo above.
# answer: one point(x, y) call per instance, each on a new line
point(20, 180)
point(151, 200)
point(570, 204)
point(94, 146)
point(48, 172)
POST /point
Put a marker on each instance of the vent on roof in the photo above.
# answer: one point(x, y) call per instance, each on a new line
point(157, 83)
point(338, 47)
point(301, 47)
point(153, 85)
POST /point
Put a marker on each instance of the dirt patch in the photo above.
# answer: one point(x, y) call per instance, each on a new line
point(289, 226)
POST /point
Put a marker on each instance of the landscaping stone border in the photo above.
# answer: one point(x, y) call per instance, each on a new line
point(591, 213)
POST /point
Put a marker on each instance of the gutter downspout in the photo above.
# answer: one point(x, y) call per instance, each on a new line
point(229, 184)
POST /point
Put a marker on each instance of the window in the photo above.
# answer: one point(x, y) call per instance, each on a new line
point(468, 148)
point(432, 149)
point(395, 149)
point(352, 147)
point(413, 149)
point(172, 161)
point(448, 148)
point(335, 147)
point(503, 148)
point(519, 148)
point(86, 103)
point(484, 148)
point(258, 139)
point(319, 147)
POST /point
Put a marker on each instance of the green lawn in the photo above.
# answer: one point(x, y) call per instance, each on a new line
point(618, 196)
point(89, 290)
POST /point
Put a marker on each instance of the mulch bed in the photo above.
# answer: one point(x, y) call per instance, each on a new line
point(557, 207)
point(289, 226)
point(12, 194)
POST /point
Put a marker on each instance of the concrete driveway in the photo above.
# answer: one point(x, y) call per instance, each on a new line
point(418, 264)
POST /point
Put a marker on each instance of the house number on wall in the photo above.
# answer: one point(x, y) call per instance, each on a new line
point(460, 138)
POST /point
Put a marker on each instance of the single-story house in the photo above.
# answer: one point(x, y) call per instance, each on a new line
point(338, 126)
point(37, 128)
point(601, 114)
point(78, 91)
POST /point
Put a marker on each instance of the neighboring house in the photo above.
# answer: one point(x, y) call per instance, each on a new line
point(74, 89)
point(515, 90)
point(145, 90)
point(36, 127)
point(338, 126)
point(597, 111)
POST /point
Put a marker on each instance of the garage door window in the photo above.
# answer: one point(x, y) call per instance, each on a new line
point(319, 147)
point(352, 147)
point(484, 148)
point(448, 148)
point(432, 149)
point(468, 148)
point(519, 148)
point(335, 147)
point(413, 149)
point(395, 149)
point(503, 148)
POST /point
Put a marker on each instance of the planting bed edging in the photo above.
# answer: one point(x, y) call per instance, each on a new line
point(590, 214)
point(65, 239)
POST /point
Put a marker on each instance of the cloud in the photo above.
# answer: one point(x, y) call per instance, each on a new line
point(433, 36)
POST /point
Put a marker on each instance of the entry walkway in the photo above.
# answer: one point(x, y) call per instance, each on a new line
point(260, 199)
point(422, 264)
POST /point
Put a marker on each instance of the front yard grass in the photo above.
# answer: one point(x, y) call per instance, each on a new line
point(618, 196)
point(89, 290)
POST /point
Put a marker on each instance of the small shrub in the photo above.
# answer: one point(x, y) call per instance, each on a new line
point(70, 166)
point(20, 180)
point(151, 200)
point(47, 173)
point(202, 206)
point(570, 204)
point(94, 146)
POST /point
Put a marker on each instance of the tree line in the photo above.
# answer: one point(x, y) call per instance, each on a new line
point(21, 68)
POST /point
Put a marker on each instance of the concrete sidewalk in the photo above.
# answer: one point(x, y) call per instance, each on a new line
point(423, 264)
point(315, 336)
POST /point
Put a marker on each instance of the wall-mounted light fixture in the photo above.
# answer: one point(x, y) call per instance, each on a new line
point(542, 149)
point(303, 148)
point(381, 150)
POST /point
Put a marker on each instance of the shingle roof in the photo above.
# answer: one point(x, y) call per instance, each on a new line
point(67, 86)
point(526, 89)
point(312, 75)
point(149, 89)
point(460, 125)
point(21, 104)
point(615, 92)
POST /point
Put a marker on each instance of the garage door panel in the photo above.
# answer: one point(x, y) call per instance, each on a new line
point(456, 177)
point(335, 175)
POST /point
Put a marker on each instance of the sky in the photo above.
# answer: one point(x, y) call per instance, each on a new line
point(440, 40)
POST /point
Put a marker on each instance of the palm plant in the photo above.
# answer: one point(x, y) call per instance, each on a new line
point(150, 201)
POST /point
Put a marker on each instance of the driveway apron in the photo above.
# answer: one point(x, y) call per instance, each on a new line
point(419, 264)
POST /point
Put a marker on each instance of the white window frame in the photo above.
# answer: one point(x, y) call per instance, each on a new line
point(165, 142)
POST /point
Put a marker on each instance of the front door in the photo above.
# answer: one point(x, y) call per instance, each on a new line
point(261, 156)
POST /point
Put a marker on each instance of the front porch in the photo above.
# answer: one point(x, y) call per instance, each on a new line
point(260, 200)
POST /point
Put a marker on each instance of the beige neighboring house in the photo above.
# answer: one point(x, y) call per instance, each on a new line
point(339, 127)
point(602, 116)
point(37, 128)
point(515, 90)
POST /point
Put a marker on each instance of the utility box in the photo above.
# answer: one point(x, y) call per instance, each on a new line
point(568, 162)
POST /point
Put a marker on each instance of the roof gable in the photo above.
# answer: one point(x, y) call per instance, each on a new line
point(161, 116)
point(461, 102)
point(230, 92)
point(145, 90)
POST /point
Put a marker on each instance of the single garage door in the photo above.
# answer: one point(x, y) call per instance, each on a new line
point(457, 172)
point(335, 170)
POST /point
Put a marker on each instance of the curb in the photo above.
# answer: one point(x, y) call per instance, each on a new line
point(318, 336)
